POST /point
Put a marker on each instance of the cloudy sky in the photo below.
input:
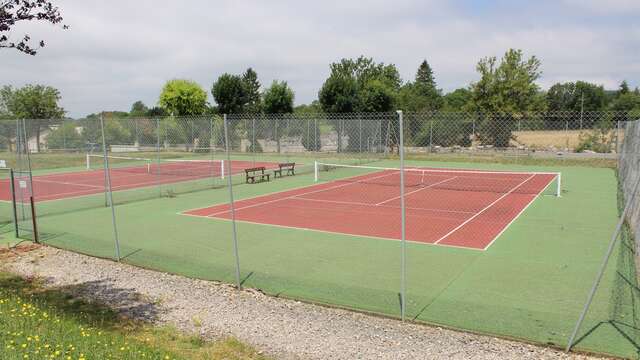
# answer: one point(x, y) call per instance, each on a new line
point(117, 52)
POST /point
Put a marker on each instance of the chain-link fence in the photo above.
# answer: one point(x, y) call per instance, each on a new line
point(475, 221)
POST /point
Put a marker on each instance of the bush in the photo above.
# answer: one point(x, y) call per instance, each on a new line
point(600, 140)
point(66, 136)
point(597, 140)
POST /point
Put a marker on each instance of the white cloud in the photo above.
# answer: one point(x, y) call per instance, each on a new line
point(118, 52)
point(600, 7)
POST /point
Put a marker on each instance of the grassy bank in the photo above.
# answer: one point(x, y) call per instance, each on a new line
point(37, 322)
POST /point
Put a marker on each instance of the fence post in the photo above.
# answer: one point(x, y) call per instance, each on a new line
point(403, 269)
point(231, 203)
point(431, 136)
point(473, 130)
point(14, 204)
point(253, 138)
point(110, 194)
point(158, 157)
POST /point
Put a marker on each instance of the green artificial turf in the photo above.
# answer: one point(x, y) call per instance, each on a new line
point(530, 284)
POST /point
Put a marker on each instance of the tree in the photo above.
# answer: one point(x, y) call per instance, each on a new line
point(624, 88)
point(339, 94)
point(578, 96)
point(348, 89)
point(183, 97)
point(252, 89)
point(14, 12)
point(278, 98)
point(138, 109)
point(505, 91)
point(457, 100)
point(230, 94)
point(65, 136)
point(36, 103)
point(424, 76)
point(422, 94)
point(376, 97)
point(156, 111)
point(313, 108)
point(628, 102)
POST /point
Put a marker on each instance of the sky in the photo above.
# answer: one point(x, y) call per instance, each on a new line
point(117, 52)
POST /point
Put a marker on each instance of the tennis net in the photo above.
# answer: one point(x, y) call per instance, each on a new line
point(187, 168)
point(444, 179)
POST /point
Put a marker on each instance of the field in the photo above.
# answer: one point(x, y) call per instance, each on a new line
point(529, 284)
point(552, 139)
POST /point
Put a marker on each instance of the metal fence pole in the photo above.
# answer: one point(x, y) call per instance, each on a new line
point(158, 157)
point(233, 210)
point(253, 140)
point(603, 267)
point(431, 136)
point(403, 269)
point(110, 194)
point(14, 205)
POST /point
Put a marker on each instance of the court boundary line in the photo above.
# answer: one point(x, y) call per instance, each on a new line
point(485, 209)
point(367, 210)
point(289, 197)
point(389, 206)
point(83, 193)
point(415, 191)
point(520, 213)
point(209, 218)
point(437, 243)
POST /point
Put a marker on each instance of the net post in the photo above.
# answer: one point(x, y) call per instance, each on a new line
point(232, 205)
point(403, 268)
point(603, 267)
point(315, 171)
point(110, 194)
point(559, 185)
point(222, 168)
point(88, 162)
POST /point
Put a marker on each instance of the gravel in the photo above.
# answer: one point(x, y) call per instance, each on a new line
point(283, 329)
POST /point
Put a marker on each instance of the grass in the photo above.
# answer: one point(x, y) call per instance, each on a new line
point(41, 323)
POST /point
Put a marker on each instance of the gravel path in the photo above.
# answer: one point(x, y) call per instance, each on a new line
point(285, 329)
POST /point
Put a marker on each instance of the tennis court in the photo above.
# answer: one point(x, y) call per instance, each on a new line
point(126, 173)
point(467, 209)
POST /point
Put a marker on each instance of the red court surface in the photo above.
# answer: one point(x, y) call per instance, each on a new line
point(82, 183)
point(456, 208)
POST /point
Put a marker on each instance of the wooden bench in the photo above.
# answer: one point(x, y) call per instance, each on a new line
point(252, 173)
point(290, 167)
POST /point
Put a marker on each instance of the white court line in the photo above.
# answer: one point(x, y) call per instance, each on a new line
point(386, 206)
point(293, 196)
point(66, 183)
point(415, 191)
point(517, 216)
point(483, 210)
point(330, 232)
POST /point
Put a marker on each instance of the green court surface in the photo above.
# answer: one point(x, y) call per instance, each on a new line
point(530, 284)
